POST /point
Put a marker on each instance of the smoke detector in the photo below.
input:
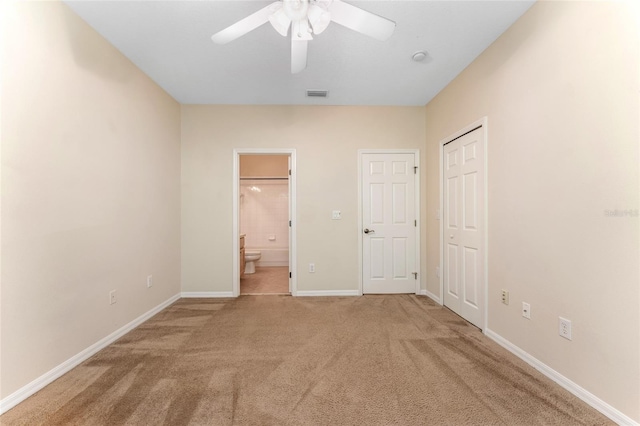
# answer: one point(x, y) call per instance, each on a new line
point(420, 56)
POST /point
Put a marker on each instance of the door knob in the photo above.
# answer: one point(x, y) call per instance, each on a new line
point(368, 231)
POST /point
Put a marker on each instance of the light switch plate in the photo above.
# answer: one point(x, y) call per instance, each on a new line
point(336, 215)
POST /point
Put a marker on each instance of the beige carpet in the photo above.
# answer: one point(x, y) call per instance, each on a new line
point(266, 280)
point(279, 360)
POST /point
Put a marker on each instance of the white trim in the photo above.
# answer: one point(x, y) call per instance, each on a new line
point(263, 263)
point(235, 229)
point(293, 237)
point(417, 218)
point(235, 276)
point(29, 389)
point(206, 294)
point(441, 215)
point(577, 390)
point(323, 293)
point(432, 296)
point(359, 228)
point(416, 153)
point(484, 123)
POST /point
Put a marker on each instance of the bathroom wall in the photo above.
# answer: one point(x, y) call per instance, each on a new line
point(264, 213)
point(264, 165)
point(264, 205)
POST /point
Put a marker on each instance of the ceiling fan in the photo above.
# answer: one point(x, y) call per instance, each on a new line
point(307, 17)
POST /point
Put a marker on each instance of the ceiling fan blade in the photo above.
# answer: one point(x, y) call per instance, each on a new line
point(361, 21)
point(245, 25)
point(298, 55)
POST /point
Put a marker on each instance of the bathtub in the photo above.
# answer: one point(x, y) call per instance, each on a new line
point(272, 256)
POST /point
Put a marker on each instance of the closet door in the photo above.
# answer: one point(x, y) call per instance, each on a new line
point(463, 227)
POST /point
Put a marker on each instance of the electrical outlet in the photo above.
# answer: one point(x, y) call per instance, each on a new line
point(526, 310)
point(336, 215)
point(149, 281)
point(505, 297)
point(564, 328)
point(112, 297)
point(312, 267)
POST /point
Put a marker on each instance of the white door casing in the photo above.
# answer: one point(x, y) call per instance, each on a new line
point(464, 226)
point(290, 210)
point(236, 214)
point(389, 232)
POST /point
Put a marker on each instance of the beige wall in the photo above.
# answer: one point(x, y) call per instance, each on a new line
point(90, 191)
point(560, 90)
point(264, 165)
point(326, 140)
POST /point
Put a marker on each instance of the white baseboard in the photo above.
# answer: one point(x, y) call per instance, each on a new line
point(595, 402)
point(431, 296)
point(206, 294)
point(29, 389)
point(328, 293)
point(267, 263)
point(47, 378)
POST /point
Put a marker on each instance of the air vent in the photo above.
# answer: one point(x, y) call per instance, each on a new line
point(317, 93)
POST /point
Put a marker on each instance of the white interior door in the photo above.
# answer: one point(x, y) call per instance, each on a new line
point(463, 231)
point(389, 223)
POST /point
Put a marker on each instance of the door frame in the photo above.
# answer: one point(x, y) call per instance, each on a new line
point(483, 123)
point(416, 153)
point(236, 214)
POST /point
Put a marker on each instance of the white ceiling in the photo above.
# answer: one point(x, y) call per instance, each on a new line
point(171, 42)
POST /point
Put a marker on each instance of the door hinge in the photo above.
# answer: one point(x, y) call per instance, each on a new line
point(415, 170)
point(289, 224)
point(415, 223)
point(289, 172)
point(289, 274)
point(415, 275)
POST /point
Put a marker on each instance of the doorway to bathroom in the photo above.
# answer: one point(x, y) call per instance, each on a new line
point(264, 229)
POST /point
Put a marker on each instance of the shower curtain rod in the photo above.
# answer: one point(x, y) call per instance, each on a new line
point(264, 178)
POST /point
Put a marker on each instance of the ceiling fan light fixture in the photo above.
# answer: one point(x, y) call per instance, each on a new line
point(280, 21)
point(296, 10)
point(300, 30)
point(318, 18)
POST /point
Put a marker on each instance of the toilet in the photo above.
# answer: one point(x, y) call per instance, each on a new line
point(250, 257)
